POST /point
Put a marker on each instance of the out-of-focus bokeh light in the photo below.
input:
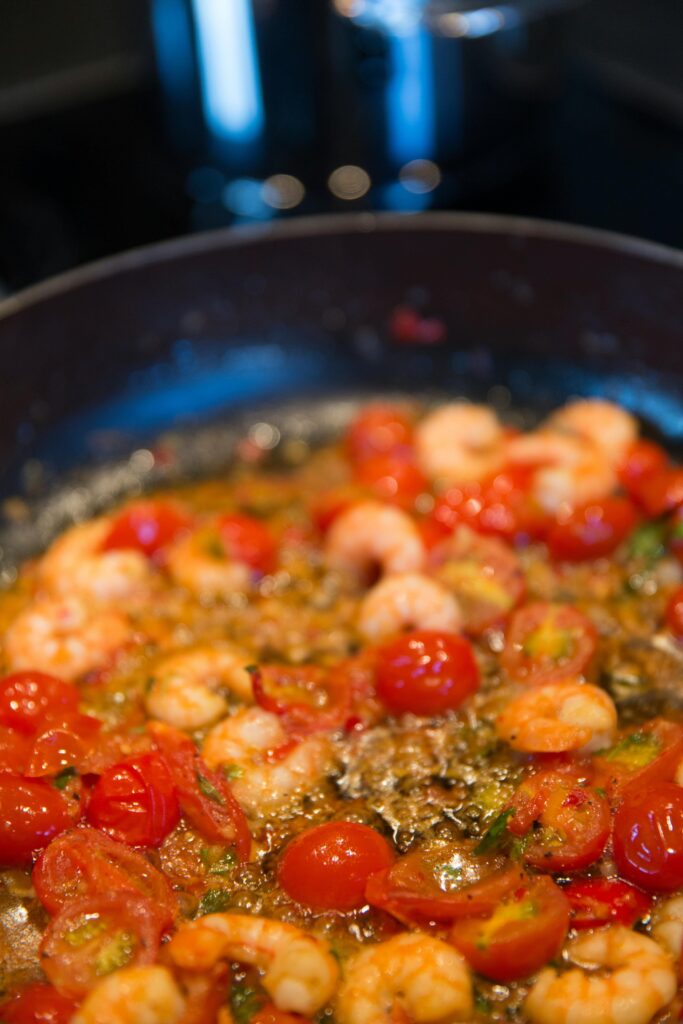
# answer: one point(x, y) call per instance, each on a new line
point(349, 182)
point(475, 24)
point(283, 191)
point(420, 176)
point(244, 197)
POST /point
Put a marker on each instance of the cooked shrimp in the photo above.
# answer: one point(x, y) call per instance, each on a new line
point(667, 926)
point(607, 425)
point(423, 978)
point(65, 636)
point(560, 716)
point(300, 974)
point(133, 995)
point(459, 442)
point(408, 600)
point(76, 564)
point(633, 979)
point(571, 469)
point(270, 768)
point(186, 687)
point(371, 534)
point(198, 563)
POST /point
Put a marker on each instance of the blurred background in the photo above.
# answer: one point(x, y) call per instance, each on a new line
point(124, 122)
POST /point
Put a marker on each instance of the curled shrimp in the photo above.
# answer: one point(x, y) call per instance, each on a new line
point(408, 600)
point(667, 926)
point(133, 995)
point(459, 442)
point(606, 424)
point(65, 636)
point(421, 977)
point(622, 977)
point(199, 563)
point(571, 469)
point(268, 766)
point(186, 687)
point(76, 564)
point(560, 716)
point(300, 974)
point(371, 534)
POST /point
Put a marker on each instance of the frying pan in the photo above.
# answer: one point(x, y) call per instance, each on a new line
point(149, 365)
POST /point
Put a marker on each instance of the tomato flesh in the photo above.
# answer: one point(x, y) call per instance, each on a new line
point(135, 801)
point(379, 429)
point(525, 931)
point(327, 867)
point(32, 812)
point(148, 527)
point(247, 540)
point(546, 641)
point(600, 901)
point(648, 837)
point(641, 758)
point(592, 531)
point(38, 1004)
point(426, 672)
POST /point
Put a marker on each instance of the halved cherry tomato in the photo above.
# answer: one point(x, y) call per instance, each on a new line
point(327, 867)
point(521, 934)
point(32, 812)
point(247, 540)
point(599, 901)
point(674, 613)
point(28, 698)
point(205, 796)
point(426, 672)
point(644, 756)
point(67, 743)
point(15, 751)
point(642, 460)
point(592, 530)
point(135, 801)
point(38, 1004)
point(307, 698)
point(378, 429)
point(661, 492)
point(149, 527)
point(392, 478)
point(92, 937)
point(502, 505)
point(565, 824)
point(648, 837)
point(269, 1014)
point(484, 574)
point(84, 863)
point(546, 642)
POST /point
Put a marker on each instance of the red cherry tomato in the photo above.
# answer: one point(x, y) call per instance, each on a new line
point(600, 901)
point(565, 824)
point(38, 1004)
point(307, 698)
point(92, 937)
point(592, 531)
point(674, 613)
point(15, 751)
point(84, 863)
point(66, 744)
point(502, 505)
point(484, 574)
point(378, 429)
point(148, 527)
point(641, 758)
point(28, 698)
point(546, 641)
point(327, 867)
point(648, 837)
point(135, 801)
point(520, 936)
point(426, 672)
point(643, 459)
point(392, 478)
point(661, 492)
point(247, 540)
point(32, 812)
point(205, 796)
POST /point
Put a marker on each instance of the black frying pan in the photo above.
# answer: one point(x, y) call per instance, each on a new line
point(100, 362)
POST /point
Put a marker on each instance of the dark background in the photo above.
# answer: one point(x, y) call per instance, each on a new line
point(96, 156)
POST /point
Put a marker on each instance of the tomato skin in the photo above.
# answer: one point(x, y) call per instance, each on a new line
point(73, 966)
point(392, 478)
point(378, 429)
point(28, 698)
point(592, 531)
point(291, 692)
point(135, 801)
point(38, 1004)
point(643, 757)
point(148, 527)
point(600, 901)
point(661, 492)
point(648, 837)
point(547, 642)
point(31, 813)
point(518, 947)
point(426, 672)
point(247, 540)
point(642, 460)
point(66, 743)
point(83, 863)
point(501, 505)
point(674, 613)
point(327, 867)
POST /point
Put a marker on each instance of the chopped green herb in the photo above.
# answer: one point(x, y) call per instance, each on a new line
point(217, 860)
point(481, 1003)
point(208, 789)
point(251, 669)
point(635, 751)
point(497, 834)
point(245, 1001)
point(61, 779)
point(647, 542)
point(233, 771)
point(213, 902)
point(115, 954)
